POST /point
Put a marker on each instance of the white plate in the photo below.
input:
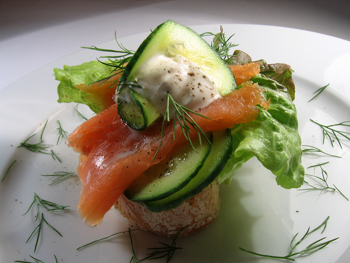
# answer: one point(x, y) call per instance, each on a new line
point(256, 214)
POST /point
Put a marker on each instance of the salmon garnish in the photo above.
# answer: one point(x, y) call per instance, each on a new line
point(245, 72)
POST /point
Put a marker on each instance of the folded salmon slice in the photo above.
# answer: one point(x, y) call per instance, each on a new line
point(113, 155)
point(245, 72)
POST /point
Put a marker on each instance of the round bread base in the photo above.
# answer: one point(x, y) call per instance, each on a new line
point(195, 213)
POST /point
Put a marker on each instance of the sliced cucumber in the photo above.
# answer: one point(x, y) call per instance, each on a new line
point(221, 150)
point(137, 112)
point(171, 39)
point(169, 176)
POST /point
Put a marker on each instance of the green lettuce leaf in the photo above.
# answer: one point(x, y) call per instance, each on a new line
point(86, 73)
point(272, 137)
point(280, 72)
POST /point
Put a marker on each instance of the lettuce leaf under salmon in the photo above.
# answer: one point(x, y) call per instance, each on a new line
point(272, 137)
point(72, 78)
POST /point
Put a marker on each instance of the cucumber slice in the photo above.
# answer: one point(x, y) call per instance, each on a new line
point(137, 112)
point(221, 150)
point(171, 39)
point(169, 176)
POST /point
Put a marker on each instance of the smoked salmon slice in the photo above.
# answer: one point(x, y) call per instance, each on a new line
point(113, 155)
point(245, 72)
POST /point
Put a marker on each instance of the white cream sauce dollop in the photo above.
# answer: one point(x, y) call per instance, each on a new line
point(184, 80)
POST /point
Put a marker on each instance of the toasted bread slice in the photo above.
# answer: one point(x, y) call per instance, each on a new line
point(195, 214)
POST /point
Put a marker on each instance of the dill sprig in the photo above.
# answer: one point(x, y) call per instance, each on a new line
point(133, 257)
point(102, 239)
point(118, 61)
point(48, 205)
point(42, 131)
point(184, 119)
point(164, 251)
point(39, 147)
point(59, 176)
point(8, 170)
point(309, 250)
point(330, 131)
point(221, 44)
point(79, 113)
point(128, 84)
point(318, 92)
point(54, 156)
point(35, 260)
point(321, 182)
point(62, 134)
point(314, 150)
point(123, 54)
point(37, 230)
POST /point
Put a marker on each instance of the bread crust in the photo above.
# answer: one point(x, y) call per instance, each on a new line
point(195, 214)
